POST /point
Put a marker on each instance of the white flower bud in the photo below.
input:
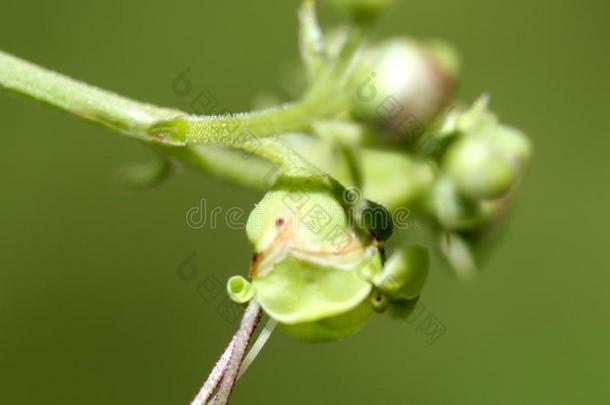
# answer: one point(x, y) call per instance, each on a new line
point(403, 84)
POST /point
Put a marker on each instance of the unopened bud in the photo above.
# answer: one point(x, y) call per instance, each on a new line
point(478, 168)
point(488, 158)
point(403, 84)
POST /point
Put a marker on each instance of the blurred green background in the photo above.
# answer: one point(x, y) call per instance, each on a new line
point(92, 307)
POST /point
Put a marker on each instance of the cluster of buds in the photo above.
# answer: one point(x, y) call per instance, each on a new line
point(480, 168)
point(319, 265)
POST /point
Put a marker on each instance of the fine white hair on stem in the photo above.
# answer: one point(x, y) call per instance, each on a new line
point(242, 338)
point(215, 376)
point(219, 371)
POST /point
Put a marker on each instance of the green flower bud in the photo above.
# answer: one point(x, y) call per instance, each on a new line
point(403, 84)
point(478, 168)
point(312, 268)
point(488, 159)
point(404, 274)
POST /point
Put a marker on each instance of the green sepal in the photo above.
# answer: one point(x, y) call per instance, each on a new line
point(333, 328)
point(404, 274)
point(298, 291)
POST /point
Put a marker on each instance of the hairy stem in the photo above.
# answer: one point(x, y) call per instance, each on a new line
point(88, 102)
point(238, 128)
point(242, 338)
point(206, 391)
point(129, 117)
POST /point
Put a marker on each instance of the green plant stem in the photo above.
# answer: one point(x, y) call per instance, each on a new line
point(238, 128)
point(171, 131)
point(129, 117)
point(311, 41)
point(327, 97)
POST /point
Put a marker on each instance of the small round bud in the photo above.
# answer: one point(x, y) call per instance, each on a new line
point(404, 273)
point(488, 158)
point(380, 302)
point(478, 168)
point(403, 84)
point(514, 145)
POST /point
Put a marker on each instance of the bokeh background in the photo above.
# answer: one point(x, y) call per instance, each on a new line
point(92, 307)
